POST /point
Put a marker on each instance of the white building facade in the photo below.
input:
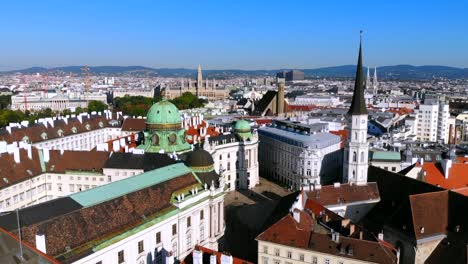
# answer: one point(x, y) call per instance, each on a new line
point(298, 158)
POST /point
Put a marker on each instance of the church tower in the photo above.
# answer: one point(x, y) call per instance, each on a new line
point(357, 149)
point(199, 78)
point(368, 81)
point(374, 81)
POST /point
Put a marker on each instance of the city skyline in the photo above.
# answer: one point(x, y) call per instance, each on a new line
point(260, 35)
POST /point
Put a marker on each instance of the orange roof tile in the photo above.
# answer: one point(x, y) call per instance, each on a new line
point(457, 175)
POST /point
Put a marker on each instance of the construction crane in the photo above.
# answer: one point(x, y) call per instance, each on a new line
point(85, 71)
point(45, 79)
point(25, 97)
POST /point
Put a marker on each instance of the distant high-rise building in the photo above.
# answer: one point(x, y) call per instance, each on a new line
point(432, 120)
point(293, 75)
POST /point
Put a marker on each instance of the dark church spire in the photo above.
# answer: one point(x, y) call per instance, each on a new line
point(358, 104)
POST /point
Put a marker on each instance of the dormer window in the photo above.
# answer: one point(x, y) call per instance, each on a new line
point(101, 124)
point(60, 132)
point(26, 139)
point(88, 127)
point(44, 135)
point(74, 130)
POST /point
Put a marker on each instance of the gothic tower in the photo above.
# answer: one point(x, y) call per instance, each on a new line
point(357, 149)
point(280, 99)
point(368, 81)
point(374, 81)
point(199, 79)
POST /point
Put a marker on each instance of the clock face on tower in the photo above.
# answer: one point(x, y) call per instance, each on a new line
point(363, 121)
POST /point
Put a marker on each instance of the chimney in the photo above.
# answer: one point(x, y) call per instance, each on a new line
point(41, 243)
point(446, 165)
point(29, 149)
point(380, 236)
point(297, 215)
point(16, 155)
point(361, 235)
point(197, 257)
point(225, 259)
point(352, 228)
point(46, 154)
point(3, 146)
point(213, 259)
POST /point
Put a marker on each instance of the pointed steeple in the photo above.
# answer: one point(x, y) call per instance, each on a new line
point(368, 80)
point(375, 77)
point(358, 104)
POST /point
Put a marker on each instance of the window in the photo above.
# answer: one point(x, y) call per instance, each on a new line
point(326, 261)
point(174, 229)
point(277, 252)
point(158, 237)
point(174, 248)
point(140, 246)
point(264, 260)
point(354, 156)
point(265, 249)
point(276, 261)
point(289, 254)
point(202, 232)
point(362, 156)
point(301, 257)
point(189, 222)
point(314, 260)
point(121, 257)
point(202, 215)
point(189, 241)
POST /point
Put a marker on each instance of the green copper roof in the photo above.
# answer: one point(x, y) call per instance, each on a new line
point(119, 188)
point(386, 155)
point(163, 112)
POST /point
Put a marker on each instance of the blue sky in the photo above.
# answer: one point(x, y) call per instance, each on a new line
point(232, 34)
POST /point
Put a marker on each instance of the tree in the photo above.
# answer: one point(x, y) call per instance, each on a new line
point(96, 106)
point(79, 110)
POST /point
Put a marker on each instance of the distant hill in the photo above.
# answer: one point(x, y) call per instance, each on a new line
point(402, 72)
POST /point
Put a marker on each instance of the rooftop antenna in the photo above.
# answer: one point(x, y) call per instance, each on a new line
point(19, 236)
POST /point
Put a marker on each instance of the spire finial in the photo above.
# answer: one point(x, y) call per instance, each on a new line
point(360, 35)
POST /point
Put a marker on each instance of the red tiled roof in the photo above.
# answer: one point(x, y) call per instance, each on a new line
point(304, 108)
point(134, 124)
point(458, 175)
point(308, 234)
point(76, 161)
point(429, 217)
point(80, 228)
point(34, 131)
point(12, 172)
point(208, 252)
point(345, 193)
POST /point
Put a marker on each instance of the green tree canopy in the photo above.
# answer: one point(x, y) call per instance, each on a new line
point(97, 106)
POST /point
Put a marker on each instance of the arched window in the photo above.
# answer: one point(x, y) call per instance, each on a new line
point(362, 156)
point(354, 174)
point(354, 156)
point(355, 135)
point(155, 140)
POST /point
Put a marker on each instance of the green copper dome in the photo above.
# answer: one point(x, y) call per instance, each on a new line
point(242, 126)
point(163, 112)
